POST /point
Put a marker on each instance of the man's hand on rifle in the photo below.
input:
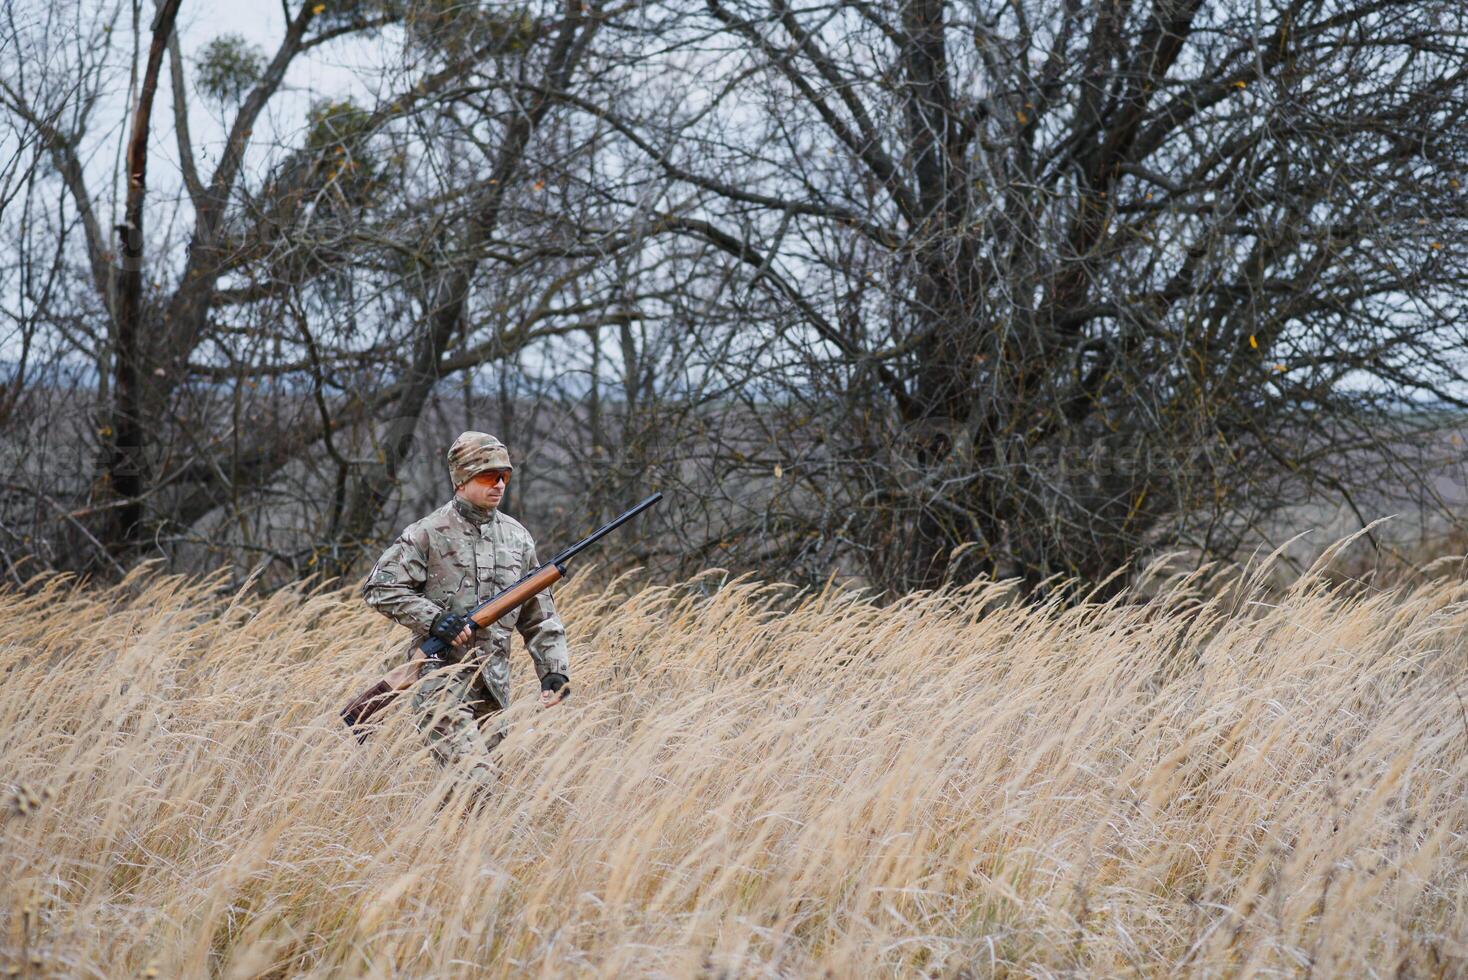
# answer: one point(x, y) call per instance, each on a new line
point(452, 628)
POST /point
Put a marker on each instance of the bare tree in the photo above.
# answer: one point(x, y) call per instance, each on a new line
point(1060, 282)
point(312, 315)
point(919, 291)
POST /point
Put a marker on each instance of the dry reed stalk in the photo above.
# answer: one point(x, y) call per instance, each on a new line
point(749, 782)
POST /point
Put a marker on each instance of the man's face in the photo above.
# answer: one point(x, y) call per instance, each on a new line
point(485, 490)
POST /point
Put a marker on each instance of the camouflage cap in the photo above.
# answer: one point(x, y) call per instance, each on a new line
point(473, 453)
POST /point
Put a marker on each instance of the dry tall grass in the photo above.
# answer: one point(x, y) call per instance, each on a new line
point(748, 783)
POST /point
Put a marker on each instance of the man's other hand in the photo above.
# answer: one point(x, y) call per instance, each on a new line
point(554, 688)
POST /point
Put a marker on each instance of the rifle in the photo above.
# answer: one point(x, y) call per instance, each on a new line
point(488, 611)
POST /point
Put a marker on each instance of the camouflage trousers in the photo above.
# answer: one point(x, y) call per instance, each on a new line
point(449, 705)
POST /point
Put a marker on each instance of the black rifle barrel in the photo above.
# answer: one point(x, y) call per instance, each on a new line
point(604, 530)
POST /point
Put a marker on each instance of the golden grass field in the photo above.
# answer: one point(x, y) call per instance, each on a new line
point(748, 781)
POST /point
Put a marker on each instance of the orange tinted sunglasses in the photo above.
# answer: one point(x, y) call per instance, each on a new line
point(491, 478)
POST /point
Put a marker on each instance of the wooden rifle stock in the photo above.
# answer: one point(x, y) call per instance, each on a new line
point(517, 595)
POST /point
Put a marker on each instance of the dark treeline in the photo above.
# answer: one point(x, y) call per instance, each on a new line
point(915, 290)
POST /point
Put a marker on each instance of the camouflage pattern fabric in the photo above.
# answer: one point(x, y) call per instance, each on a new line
point(473, 453)
point(449, 705)
point(449, 560)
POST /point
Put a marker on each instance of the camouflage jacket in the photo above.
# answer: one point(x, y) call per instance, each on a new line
point(449, 560)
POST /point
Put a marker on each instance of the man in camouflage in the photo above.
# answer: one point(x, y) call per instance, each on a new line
point(435, 572)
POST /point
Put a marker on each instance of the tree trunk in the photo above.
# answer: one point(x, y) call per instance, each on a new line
point(125, 464)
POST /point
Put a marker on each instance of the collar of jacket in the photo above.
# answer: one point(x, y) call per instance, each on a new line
point(472, 514)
